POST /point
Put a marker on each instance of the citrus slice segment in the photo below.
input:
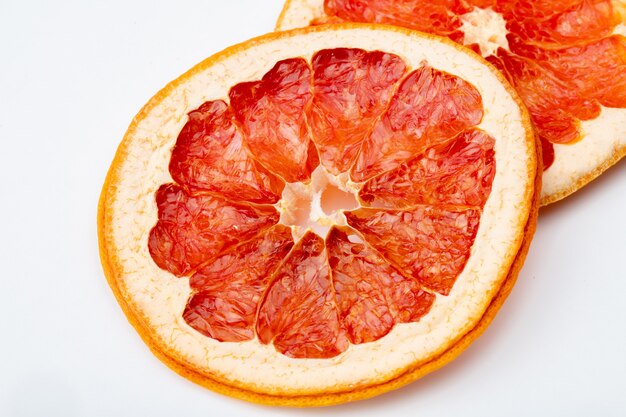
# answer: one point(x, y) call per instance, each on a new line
point(459, 172)
point(272, 114)
point(371, 295)
point(430, 244)
point(352, 87)
point(420, 15)
point(299, 312)
point(228, 289)
point(566, 58)
point(193, 228)
point(564, 23)
point(429, 107)
point(595, 71)
point(533, 81)
point(210, 155)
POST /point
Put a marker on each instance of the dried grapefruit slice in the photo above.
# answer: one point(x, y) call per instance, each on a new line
point(258, 255)
point(567, 60)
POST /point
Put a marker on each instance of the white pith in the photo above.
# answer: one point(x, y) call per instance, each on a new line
point(160, 297)
point(575, 164)
point(306, 199)
point(603, 137)
point(486, 28)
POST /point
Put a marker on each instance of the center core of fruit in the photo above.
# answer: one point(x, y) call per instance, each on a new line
point(318, 204)
point(486, 28)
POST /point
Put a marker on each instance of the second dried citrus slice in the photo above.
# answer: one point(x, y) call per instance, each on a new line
point(321, 215)
point(565, 58)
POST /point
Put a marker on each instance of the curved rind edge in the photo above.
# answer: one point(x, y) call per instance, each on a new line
point(308, 400)
point(618, 153)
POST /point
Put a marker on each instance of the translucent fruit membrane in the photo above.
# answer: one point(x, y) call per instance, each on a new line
point(326, 202)
point(562, 56)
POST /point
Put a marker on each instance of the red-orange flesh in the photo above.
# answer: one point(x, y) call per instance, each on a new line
point(407, 136)
point(562, 58)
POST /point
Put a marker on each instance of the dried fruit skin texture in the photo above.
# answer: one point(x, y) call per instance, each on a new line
point(562, 58)
point(425, 173)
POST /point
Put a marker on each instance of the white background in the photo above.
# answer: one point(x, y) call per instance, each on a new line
point(72, 76)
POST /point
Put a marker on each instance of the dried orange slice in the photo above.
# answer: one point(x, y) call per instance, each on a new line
point(321, 215)
point(566, 58)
